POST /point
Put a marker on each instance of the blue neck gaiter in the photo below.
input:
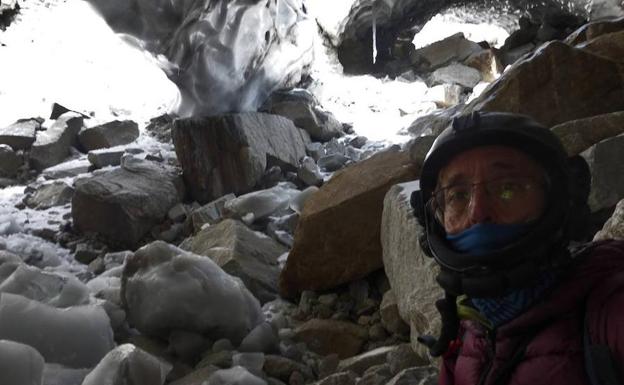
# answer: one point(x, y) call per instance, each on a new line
point(483, 238)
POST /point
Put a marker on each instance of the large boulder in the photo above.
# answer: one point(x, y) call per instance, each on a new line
point(610, 46)
point(454, 48)
point(52, 146)
point(605, 163)
point(110, 134)
point(243, 253)
point(410, 272)
point(321, 125)
point(165, 288)
point(326, 252)
point(578, 135)
point(21, 134)
point(594, 29)
point(125, 203)
point(230, 153)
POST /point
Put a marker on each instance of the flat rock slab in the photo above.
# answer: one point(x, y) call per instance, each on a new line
point(110, 134)
point(21, 134)
point(125, 203)
point(326, 337)
point(440, 53)
point(241, 252)
point(52, 145)
point(230, 153)
point(578, 135)
point(327, 251)
point(105, 157)
point(459, 74)
point(322, 126)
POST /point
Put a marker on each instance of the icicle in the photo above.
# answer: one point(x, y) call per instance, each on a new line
point(374, 35)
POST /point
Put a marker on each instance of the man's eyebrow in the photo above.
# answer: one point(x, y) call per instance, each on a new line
point(504, 165)
point(455, 179)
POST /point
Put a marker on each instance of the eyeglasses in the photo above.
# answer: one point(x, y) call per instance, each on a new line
point(505, 193)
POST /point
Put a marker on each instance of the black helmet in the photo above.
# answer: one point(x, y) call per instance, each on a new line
point(544, 247)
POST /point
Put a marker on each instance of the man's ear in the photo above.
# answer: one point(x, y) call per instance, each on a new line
point(579, 185)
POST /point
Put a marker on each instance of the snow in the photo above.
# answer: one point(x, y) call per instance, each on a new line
point(442, 26)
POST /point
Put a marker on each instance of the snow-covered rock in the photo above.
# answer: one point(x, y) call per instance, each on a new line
point(78, 336)
point(456, 74)
point(105, 157)
point(52, 145)
point(20, 364)
point(440, 53)
point(21, 134)
point(127, 364)
point(210, 213)
point(166, 288)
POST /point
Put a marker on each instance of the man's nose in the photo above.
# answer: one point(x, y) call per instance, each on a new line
point(479, 209)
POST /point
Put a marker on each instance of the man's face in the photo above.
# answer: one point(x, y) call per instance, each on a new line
point(495, 184)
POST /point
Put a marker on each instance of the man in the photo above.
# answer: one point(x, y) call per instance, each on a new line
point(500, 203)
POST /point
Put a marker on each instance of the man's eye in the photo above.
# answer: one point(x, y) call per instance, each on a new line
point(508, 190)
point(457, 195)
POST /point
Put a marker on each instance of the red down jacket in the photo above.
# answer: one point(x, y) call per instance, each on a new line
point(554, 354)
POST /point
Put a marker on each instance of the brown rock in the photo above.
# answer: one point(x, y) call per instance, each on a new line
point(579, 135)
point(610, 46)
point(487, 63)
point(325, 337)
point(326, 252)
point(558, 83)
point(390, 317)
point(592, 30)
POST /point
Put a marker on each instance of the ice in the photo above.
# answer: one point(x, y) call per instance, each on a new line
point(54, 289)
point(234, 376)
point(128, 364)
point(76, 337)
point(34, 250)
point(171, 289)
point(54, 374)
point(300, 199)
point(262, 203)
point(20, 364)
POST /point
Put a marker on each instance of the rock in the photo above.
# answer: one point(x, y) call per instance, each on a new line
point(110, 134)
point(607, 189)
point(510, 57)
point(330, 336)
point(230, 153)
point(10, 161)
point(609, 46)
point(197, 377)
point(343, 378)
point(249, 255)
point(282, 367)
point(440, 53)
point(20, 364)
point(235, 376)
point(456, 74)
point(125, 203)
point(21, 134)
point(165, 288)
point(187, 345)
point(411, 273)
point(353, 195)
point(309, 172)
point(411, 376)
point(253, 362)
point(557, 84)
point(77, 336)
point(105, 157)
point(299, 201)
point(360, 363)
point(594, 29)
point(614, 226)
point(390, 317)
point(315, 150)
point(222, 345)
point(210, 213)
point(487, 63)
point(127, 364)
point(321, 125)
point(52, 146)
point(220, 359)
point(69, 169)
point(403, 357)
point(333, 162)
point(48, 195)
point(263, 203)
point(578, 135)
point(262, 338)
point(434, 123)
point(419, 147)
point(375, 375)
point(445, 95)
point(358, 141)
point(160, 128)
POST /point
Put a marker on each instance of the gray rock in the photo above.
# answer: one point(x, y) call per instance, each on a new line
point(315, 150)
point(513, 55)
point(410, 272)
point(187, 345)
point(334, 146)
point(220, 359)
point(48, 195)
point(165, 288)
point(178, 213)
point(197, 377)
point(20, 363)
point(358, 141)
point(105, 157)
point(321, 125)
point(604, 159)
point(415, 376)
point(614, 226)
point(69, 169)
point(440, 53)
point(403, 357)
point(222, 344)
point(360, 363)
point(309, 172)
point(10, 161)
point(21, 134)
point(263, 203)
point(262, 338)
point(580, 134)
point(229, 154)
point(127, 364)
point(343, 378)
point(460, 74)
point(375, 375)
point(110, 134)
point(125, 203)
point(52, 146)
point(390, 317)
point(235, 376)
point(282, 367)
point(253, 362)
point(249, 255)
point(333, 162)
point(210, 213)
point(419, 147)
